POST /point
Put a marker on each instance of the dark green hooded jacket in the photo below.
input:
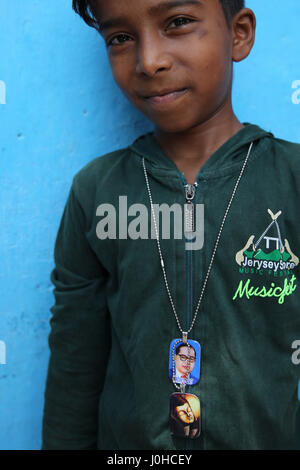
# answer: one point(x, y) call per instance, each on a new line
point(108, 385)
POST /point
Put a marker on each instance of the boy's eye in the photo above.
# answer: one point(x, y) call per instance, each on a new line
point(123, 38)
point(181, 21)
point(120, 37)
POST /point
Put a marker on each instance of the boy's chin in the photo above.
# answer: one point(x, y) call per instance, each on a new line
point(179, 122)
point(173, 126)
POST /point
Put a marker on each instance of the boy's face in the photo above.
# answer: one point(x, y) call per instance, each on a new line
point(180, 49)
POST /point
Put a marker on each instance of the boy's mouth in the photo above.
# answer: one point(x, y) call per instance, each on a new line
point(165, 96)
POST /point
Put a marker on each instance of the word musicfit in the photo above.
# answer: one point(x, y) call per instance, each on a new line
point(245, 289)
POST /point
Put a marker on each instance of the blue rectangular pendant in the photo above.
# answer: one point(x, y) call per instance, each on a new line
point(184, 362)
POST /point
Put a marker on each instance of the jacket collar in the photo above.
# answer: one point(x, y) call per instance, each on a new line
point(225, 161)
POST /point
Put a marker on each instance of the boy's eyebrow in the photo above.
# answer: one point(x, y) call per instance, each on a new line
point(165, 5)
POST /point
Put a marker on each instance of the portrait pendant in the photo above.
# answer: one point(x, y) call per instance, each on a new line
point(184, 362)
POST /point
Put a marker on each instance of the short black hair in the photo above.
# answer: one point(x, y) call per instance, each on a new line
point(86, 9)
point(231, 8)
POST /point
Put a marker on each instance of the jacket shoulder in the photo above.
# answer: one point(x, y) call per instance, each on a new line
point(288, 153)
point(101, 172)
point(291, 149)
point(99, 166)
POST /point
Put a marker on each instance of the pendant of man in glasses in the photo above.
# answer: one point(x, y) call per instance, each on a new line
point(184, 369)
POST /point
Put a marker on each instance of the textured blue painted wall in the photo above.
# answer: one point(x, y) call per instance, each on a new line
point(59, 108)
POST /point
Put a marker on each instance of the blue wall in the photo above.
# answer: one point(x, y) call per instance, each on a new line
point(59, 108)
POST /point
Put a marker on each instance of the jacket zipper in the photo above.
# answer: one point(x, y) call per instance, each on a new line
point(189, 213)
point(189, 226)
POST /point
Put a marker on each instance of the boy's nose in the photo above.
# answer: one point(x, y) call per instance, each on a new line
point(152, 57)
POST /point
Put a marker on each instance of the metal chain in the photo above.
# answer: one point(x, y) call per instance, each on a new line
point(214, 251)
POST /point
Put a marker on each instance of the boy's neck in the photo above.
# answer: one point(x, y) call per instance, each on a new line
point(191, 149)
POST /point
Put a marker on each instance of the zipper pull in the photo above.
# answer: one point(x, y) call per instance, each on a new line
point(190, 191)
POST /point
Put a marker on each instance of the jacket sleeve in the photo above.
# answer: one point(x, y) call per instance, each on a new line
point(79, 339)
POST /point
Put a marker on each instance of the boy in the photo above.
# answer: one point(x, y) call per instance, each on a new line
point(123, 297)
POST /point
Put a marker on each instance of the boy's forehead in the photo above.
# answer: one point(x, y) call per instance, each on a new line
point(117, 8)
point(115, 13)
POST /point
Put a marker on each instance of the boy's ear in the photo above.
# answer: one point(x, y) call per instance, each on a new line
point(243, 34)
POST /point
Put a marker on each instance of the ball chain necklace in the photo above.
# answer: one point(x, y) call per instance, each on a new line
point(185, 354)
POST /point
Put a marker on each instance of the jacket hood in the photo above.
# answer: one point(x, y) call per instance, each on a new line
point(224, 161)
